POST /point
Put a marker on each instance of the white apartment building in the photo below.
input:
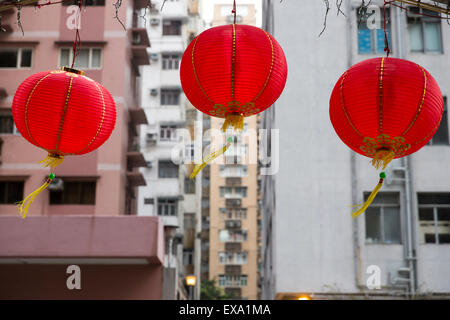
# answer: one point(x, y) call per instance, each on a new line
point(169, 192)
point(311, 244)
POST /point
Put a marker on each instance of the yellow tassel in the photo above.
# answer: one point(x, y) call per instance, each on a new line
point(52, 160)
point(235, 120)
point(371, 197)
point(210, 158)
point(382, 158)
point(25, 203)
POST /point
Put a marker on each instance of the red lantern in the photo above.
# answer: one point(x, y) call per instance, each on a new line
point(64, 113)
point(232, 72)
point(385, 108)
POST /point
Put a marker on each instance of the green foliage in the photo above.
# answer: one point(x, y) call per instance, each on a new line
point(209, 291)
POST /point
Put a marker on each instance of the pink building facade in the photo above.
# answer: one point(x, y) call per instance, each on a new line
point(89, 211)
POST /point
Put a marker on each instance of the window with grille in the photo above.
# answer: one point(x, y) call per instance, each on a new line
point(167, 133)
point(371, 38)
point(74, 192)
point(170, 97)
point(434, 217)
point(441, 135)
point(424, 30)
point(16, 58)
point(167, 207)
point(11, 192)
point(167, 169)
point(171, 27)
point(171, 61)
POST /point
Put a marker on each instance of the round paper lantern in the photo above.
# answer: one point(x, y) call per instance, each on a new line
point(385, 108)
point(64, 113)
point(232, 72)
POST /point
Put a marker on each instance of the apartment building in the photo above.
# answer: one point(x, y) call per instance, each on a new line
point(311, 245)
point(166, 140)
point(87, 216)
point(230, 207)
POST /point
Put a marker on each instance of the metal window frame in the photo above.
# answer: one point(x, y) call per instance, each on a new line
point(435, 208)
point(19, 57)
point(91, 49)
point(382, 213)
point(422, 23)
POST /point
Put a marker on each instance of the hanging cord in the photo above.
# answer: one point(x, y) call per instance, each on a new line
point(233, 11)
point(386, 40)
point(372, 196)
point(76, 48)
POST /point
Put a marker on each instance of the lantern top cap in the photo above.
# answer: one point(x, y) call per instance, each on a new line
point(76, 71)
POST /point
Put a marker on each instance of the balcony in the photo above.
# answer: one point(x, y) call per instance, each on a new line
point(233, 270)
point(139, 45)
point(137, 116)
point(233, 246)
point(135, 179)
point(136, 159)
point(233, 203)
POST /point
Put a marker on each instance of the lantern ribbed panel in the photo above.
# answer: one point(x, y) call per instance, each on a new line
point(386, 98)
point(63, 113)
point(210, 77)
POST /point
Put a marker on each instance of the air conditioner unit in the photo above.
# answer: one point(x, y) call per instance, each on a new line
point(154, 92)
point(149, 164)
point(154, 57)
point(57, 184)
point(154, 21)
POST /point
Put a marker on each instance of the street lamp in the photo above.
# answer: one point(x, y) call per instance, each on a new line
point(304, 297)
point(190, 282)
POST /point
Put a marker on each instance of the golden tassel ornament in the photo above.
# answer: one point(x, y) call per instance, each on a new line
point(371, 197)
point(210, 158)
point(382, 158)
point(52, 160)
point(235, 120)
point(25, 203)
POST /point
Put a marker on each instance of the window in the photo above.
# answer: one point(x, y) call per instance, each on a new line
point(167, 207)
point(148, 201)
point(189, 152)
point(74, 192)
point(371, 37)
point(383, 219)
point(85, 3)
point(189, 186)
point(434, 217)
point(424, 30)
point(16, 58)
point(11, 192)
point(232, 280)
point(232, 235)
point(167, 169)
point(233, 257)
point(88, 58)
point(7, 123)
point(233, 170)
point(441, 135)
point(233, 192)
point(171, 61)
point(167, 133)
point(228, 213)
point(171, 27)
point(189, 221)
point(170, 97)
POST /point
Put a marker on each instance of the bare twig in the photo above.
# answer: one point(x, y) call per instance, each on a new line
point(327, 4)
point(117, 6)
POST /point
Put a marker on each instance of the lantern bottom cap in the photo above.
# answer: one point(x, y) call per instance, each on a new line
point(383, 156)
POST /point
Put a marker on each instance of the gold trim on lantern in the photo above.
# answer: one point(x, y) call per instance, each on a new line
point(421, 102)
point(380, 113)
point(397, 145)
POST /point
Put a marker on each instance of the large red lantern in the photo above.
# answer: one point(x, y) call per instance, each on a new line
point(385, 108)
point(232, 72)
point(64, 113)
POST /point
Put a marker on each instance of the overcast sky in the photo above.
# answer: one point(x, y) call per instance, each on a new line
point(208, 8)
